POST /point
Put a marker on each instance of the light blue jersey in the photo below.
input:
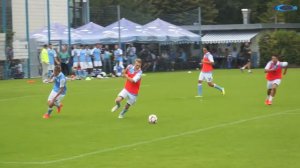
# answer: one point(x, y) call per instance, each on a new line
point(52, 55)
point(88, 56)
point(96, 53)
point(75, 54)
point(82, 56)
point(60, 81)
point(118, 55)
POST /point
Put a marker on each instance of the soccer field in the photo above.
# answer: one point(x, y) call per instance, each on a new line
point(232, 131)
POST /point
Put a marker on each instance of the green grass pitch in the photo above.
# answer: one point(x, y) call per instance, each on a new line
point(232, 131)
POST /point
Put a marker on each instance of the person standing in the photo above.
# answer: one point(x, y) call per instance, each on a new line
point(131, 52)
point(58, 92)
point(247, 56)
point(96, 52)
point(273, 76)
point(133, 75)
point(44, 58)
point(118, 53)
point(53, 60)
point(107, 60)
point(64, 56)
point(206, 73)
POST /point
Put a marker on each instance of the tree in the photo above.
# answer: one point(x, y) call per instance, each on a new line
point(180, 12)
point(283, 43)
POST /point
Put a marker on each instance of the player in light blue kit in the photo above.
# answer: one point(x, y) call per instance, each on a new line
point(52, 59)
point(96, 52)
point(58, 92)
point(118, 53)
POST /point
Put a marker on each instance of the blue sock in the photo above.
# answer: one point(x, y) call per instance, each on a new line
point(50, 111)
point(199, 89)
point(218, 87)
point(123, 111)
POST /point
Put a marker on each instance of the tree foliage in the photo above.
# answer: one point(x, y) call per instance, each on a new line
point(185, 12)
point(283, 43)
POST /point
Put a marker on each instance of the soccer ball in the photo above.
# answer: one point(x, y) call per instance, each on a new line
point(152, 119)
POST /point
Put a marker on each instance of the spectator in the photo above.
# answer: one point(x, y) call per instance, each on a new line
point(96, 53)
point(234, 55)
point(131, 52)
point(44, 58)
point(118, 55)
point(228, 57)
point(107, 59)
point(173, 59)
point(89, 62)
point(82, 62)
point(118, 70)
point(164, 60)
point(182, 59)
point(52, 60)
point(64, 56)
point(146, 57)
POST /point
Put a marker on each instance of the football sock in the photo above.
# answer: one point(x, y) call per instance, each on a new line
point(218, 87)
point(270, 98)
point(199, 89)
point(50, 111)
point(123, 111)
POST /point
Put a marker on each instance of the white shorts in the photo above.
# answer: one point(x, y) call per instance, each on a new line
point(97, 63)
point(270, 83)
point(51, 67)
point(83, 65)
point(206, 76)
point(89, 65)
point(125, 94)
point(53, 94)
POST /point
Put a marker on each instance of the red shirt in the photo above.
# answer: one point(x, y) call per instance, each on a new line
point(277, 74)
point(133, 87)
point(207, 67)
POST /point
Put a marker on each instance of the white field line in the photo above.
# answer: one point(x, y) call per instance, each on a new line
point(150, 141)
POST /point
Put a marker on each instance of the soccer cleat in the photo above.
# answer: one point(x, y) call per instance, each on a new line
point(223, 91)
point(59, 108)
point(198, 96)
point(242, 70)
point(268, 102)
point(115, 108)
point(46, 116)
point(121, 116)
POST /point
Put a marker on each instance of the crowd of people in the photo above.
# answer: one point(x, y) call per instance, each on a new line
point(104, 60)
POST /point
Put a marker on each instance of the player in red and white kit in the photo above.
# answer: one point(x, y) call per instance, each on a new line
point(133, 75)
point(206, 73)
point(274, 75)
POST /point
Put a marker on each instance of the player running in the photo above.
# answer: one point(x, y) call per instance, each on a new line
point(274, 75)
point(133, 74)
point(58, 92)
point(206, 73)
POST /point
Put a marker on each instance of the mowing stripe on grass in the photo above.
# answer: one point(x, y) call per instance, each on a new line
point(151, 141)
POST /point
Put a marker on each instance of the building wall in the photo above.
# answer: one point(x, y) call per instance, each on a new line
point(37, 15)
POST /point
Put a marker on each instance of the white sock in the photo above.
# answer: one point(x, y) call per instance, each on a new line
point(270, 98)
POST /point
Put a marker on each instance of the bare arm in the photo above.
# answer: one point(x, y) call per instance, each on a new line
point(285, 70)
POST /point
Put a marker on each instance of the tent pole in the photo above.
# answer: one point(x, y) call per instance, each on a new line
point(119, 25)
point(199, 24)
